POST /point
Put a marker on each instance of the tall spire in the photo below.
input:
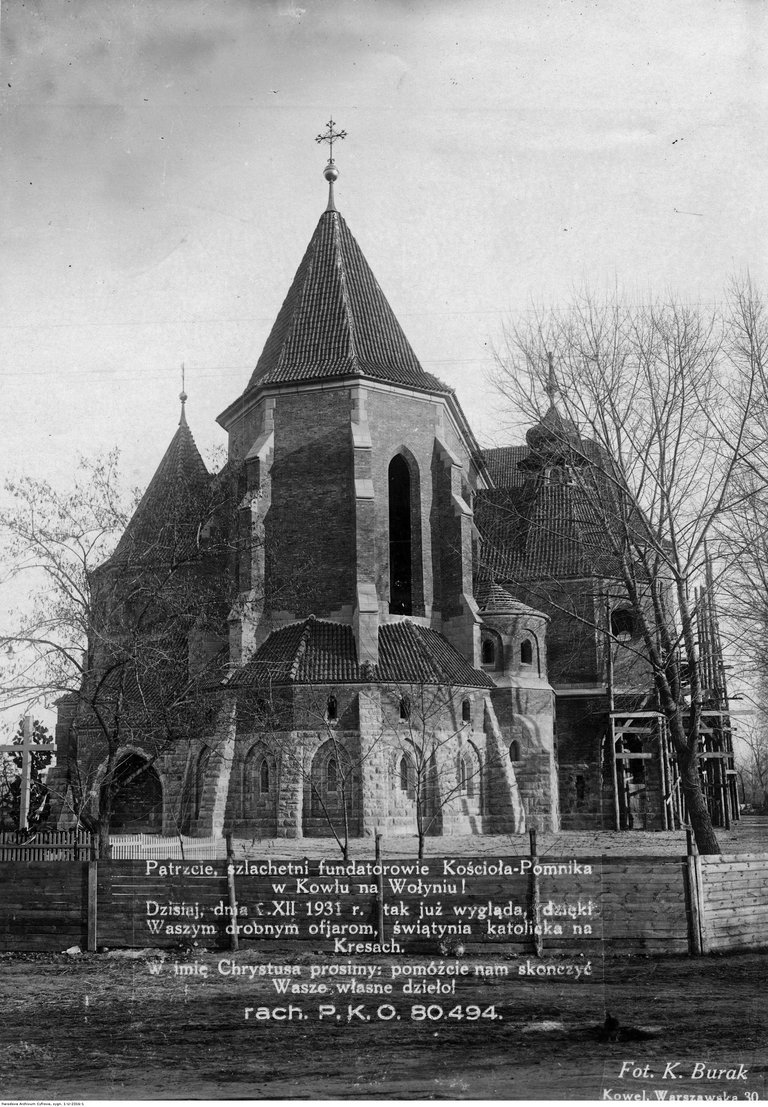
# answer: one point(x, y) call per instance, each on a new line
point(183, 398)
point(330, 172)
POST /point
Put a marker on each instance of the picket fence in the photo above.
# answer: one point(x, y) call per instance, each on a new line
point(136, 846)
point(79, 845)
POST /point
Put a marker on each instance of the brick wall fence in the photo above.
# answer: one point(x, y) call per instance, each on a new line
point(613, 905)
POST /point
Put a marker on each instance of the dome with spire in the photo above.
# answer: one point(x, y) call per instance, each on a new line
point(553, 436)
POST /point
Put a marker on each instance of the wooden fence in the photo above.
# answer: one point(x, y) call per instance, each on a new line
point(53, 845)
point(613, 905)
point(125, 846)
point(734, 901)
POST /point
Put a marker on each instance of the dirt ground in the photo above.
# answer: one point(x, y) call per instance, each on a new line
point(748, 835)
point(96, 1026)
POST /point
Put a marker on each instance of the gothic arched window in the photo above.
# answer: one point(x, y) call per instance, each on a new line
point(622, 624)
point(400, 551)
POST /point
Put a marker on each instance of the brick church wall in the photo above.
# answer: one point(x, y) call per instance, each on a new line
point(310, 527)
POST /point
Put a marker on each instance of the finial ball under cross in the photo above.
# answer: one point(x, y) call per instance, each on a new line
point(330, 136)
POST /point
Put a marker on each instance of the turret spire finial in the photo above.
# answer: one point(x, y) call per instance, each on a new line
point(330, 172)
point(551, 386)
point(183, 398)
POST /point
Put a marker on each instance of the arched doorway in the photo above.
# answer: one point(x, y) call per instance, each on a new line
point(138, 802)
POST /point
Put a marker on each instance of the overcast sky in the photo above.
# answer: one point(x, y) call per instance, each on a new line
point(160, 182)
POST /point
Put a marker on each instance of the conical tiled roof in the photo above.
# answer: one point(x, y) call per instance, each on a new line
point(165, 523)
point(336, 322)
point(491, 598)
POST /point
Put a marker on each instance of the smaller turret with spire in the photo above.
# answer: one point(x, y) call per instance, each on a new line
point(183, 397)
point(553, 437)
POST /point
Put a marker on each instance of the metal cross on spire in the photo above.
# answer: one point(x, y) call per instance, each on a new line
point(330, 172)
point(330, 137)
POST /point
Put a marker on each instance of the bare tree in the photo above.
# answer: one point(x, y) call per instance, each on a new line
point(653, 414)
point(112, 629)
point(742, 542)
point(752, 761)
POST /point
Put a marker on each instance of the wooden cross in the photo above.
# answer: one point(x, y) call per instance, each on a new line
point(330, 137)
point(26, 749)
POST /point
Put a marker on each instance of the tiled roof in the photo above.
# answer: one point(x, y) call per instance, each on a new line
point(317, 651)
point(149, 681)
point(552, 435)
point(336, 322)
point(534, 529)
point(542, 531)
point(502, 465)
point(166, 522)
point(494, 599)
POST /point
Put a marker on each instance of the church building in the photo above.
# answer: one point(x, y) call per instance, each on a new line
point(366, 658)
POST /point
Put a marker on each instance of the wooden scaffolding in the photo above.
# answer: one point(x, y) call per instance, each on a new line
point(639, 741)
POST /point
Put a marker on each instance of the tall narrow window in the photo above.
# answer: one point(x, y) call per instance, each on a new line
point(405, 708)
point(332, 775)
point(489, 652)
point(466, 711)
point(405, 775)
point(264, 777)
point(526, 652)
point(332, 710)
point(202, 765)
point(400, 552)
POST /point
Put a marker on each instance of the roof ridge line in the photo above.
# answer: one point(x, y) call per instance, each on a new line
point(436, 661)
point(343, 280)
point(301, 649)
point(424, 653)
